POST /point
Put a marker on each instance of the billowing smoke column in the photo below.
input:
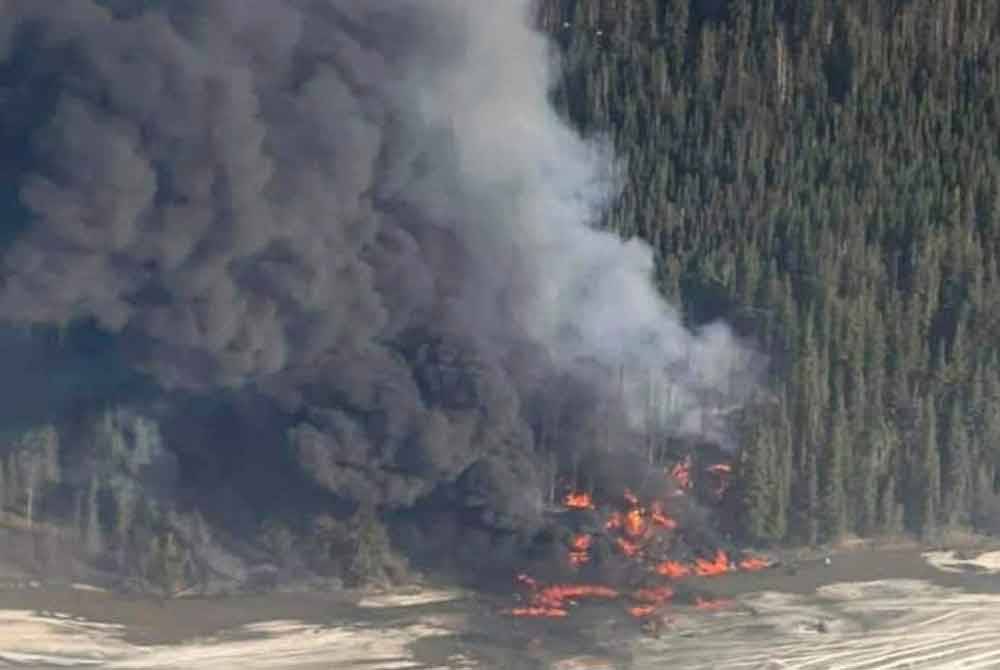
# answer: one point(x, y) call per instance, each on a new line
point(366, 209)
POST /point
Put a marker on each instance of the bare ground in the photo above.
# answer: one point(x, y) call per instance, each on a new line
point(876, 608)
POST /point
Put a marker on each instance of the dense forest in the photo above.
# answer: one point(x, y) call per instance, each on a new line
point(821, 175)
point(824, 175)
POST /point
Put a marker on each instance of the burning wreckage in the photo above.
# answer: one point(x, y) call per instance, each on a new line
point(386, 260)
point(635, 551)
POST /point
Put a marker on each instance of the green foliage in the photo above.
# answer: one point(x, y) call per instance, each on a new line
point(824, 175)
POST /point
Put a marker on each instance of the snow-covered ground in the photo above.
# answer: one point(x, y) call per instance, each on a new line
point(949, 561)
point(866, 625)
point(49, 640)
point(880, 624)
point(421, 597)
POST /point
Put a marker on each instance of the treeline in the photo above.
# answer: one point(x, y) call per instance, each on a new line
point(97, 496)
point(824, 175)
point(75, 497)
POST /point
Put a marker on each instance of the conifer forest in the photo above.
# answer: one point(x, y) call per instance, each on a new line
point(824, 175)
point(294, 286)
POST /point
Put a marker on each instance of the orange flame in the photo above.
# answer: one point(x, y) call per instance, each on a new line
point(681, 472)
point(634, 530)
point(578, 500)
point(660, 518)
point(552, 601)
point(752, 564)
point(721, 472)
point(580, 550)
point(635, 525)
point(673, 570)
point(719, 565)
point(539, 612)
point(629, 548)
point(653, 596)
point(642, 611)
point(527, 580)
point(713, 605)
point(649, 600)
point(558, 595)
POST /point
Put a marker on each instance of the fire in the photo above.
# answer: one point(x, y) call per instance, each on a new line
point(681, 473)
point(713, 605)
point(528, 581)
point(642, 611)
point(564, 592)
point(653, 596)
point(539, 612)
point(553, 601)
point(638, 530)
point(752, 563)
point(629, 548)
point(721, 472)
point(673, 570)
point(578, 500)
point(647, 601)
point(635, 525)
point(703, 567)
point(660, 518)
point(559, 596)
point(719, 565)
point(636, 521)
point(580, 549)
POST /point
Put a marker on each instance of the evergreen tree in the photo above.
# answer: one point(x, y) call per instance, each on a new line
point(925, 485)
point(829, 170)
point(957, 470)
point(756, 482)
point(832, 508)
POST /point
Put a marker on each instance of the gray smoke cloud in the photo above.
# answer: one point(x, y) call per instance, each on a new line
point(366, 208)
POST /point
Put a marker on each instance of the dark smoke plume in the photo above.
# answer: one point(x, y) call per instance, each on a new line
point(366, 209)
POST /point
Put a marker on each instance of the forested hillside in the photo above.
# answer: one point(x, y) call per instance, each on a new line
point(276, 338)
point(825, 176)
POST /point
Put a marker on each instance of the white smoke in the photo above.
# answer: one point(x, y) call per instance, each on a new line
point(587, 294)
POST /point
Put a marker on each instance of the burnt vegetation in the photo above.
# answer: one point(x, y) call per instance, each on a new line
point(278, 349)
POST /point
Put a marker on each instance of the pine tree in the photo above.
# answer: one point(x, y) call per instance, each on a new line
point(809, 522)
point(757, 483)
point(957, 475)
point(832, 512)
point(925, 491)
